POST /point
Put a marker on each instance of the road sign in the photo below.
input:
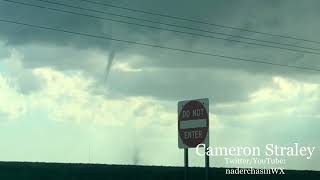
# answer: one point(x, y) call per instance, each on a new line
point(193, 123)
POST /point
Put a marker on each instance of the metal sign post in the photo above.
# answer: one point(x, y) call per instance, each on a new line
point(193, 129)
point(207, 164)
point(186, 164)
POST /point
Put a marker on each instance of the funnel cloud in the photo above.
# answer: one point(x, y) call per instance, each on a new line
point(110, 61)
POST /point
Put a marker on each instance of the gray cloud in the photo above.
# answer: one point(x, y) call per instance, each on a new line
point(179, 84)
point(28, 83)
point(68, 52)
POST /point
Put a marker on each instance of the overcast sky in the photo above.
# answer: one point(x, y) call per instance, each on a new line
point(57, 105)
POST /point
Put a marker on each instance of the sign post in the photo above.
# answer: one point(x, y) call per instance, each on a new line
point(193, 128)
point(186, 164)
point(207, 165)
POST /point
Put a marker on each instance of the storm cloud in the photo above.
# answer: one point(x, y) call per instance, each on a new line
point(55, 79)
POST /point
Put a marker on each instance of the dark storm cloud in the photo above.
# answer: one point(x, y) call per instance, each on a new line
point(18, 35)
point(173, 71)
point(268, 16)
point(62, 57)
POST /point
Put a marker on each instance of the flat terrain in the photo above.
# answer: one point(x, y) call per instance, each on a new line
point(61, 171)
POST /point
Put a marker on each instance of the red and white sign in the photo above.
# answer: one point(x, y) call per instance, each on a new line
point(193, 123)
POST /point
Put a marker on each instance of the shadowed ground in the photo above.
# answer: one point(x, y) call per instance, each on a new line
point(61, 171)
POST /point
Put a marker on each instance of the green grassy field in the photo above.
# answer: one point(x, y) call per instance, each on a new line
point(61, 171)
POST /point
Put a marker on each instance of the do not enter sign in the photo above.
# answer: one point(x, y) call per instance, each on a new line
point(193, 123)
